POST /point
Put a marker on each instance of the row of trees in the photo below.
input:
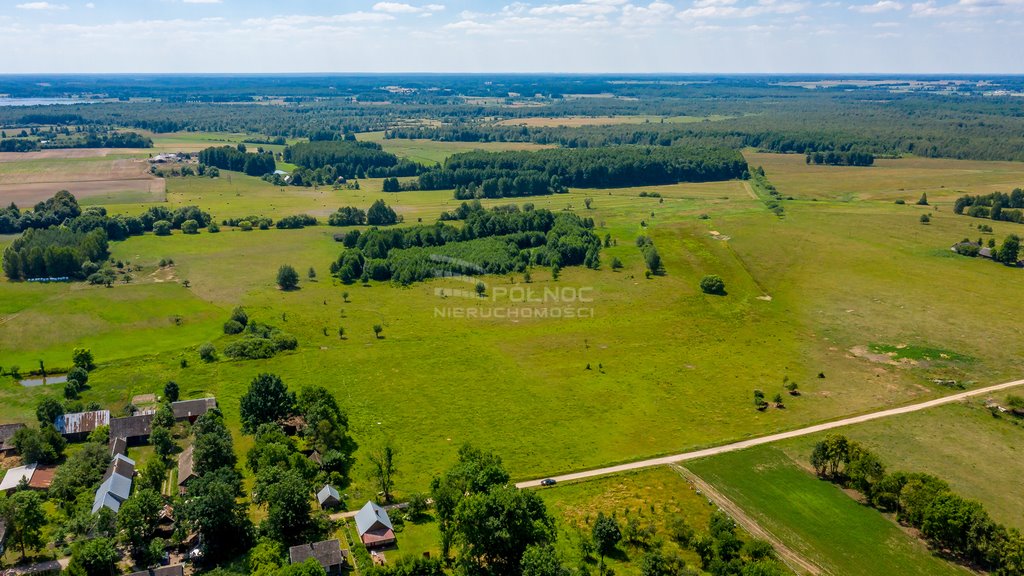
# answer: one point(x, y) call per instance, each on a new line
point(91, 139)
point(996, 206)
point(832, 158)
point(521, 173)
point(348, 159)
point(948, 521)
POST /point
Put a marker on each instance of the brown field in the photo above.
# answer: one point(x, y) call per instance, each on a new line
point(67, 153)
point(91, 175)
point(905, 178)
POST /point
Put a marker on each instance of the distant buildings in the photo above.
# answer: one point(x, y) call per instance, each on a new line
point(374, 526)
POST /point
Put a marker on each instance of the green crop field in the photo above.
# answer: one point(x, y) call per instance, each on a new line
point(816, 518)
point(430, 152)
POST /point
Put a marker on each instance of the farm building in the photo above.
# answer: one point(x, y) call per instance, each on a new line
point(192, 409)
point(328, 497)
point(374, 526)
point(172, 570)
point(134, 429)
point(186, 470)
point(116, 486)
point(7, 438)
point(118, 446)
point(37, 477)
point(328, 553)
point(79, 425)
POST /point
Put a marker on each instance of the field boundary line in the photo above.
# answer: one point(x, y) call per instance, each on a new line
point(796, 562)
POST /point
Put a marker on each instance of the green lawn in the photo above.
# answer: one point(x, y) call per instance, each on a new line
point(816, 518)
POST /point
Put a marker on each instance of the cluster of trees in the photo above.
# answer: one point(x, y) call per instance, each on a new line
point(497, 241)
point(651, 257)
point(258, 340)
point(832, 158)
point(948, 521)
point(379, 214)
point(347, 159)
point(347, 216)
point(57, 210)
point(997, 206)
point(54, 253)
point(296, 221)
point(519, 173)
point(236, 158)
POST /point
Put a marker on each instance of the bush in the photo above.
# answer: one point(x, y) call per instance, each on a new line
point(79, 375)
point(287, 277)
point(213, 228)
point(207, 352)
point(245, 226)
point(233, 327)
point(190, 227)
point(250, 349)
point(162, 228)
point(925, 219)
point(712, 284)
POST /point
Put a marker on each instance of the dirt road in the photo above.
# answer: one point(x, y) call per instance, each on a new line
point(775, 437)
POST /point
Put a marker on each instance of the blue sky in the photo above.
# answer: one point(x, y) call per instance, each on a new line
point(887, 36)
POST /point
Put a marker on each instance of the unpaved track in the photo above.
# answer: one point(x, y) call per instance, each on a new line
point(795, 561)
point(640, 464)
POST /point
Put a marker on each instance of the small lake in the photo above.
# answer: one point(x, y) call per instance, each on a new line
point(43, 101)
point(33, 382)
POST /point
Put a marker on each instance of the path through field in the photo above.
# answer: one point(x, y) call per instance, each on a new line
point(794, 560)
point(743, 444)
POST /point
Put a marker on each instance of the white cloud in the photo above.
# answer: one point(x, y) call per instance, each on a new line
point(886, 25)
point(653, 14)
point(704, 9)
point(402, 8)
point(41, 6)
point(965, 7)
point(581, 10)
point(90, 5)
point(880, 6)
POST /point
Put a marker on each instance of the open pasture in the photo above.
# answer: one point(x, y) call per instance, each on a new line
point(816, 518)
point(888, 180)
point(92, 177)
point(430, 152)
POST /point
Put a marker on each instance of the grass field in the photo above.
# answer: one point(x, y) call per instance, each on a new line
point(430, 152)
point(671, 368)
point(979, 455)
point(816, 518)
point(905, 178)
point(94, 178)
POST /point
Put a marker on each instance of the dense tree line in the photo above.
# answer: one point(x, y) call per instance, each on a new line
point(520, 173)
point(947, 520)
point(113, 139)
point(832, 158)
point(997, 206)
point(236, 158)
point(350, 159)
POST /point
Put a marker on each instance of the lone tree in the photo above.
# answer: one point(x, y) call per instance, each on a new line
point(923, 201)
point(82, 357)
point(1010, 250)
point(268, 400)
point(383, 460)
point(287, 278)
point(377, 329)
point(712, 284)
point(25, 518)
point(171, 391)
point(481, 289)
point(606, 535)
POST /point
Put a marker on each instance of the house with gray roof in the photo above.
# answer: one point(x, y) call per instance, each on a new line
point(192, 409)
point(328, 553)
point(116, 486)
point(374, 526)
point(134, 429)
point(7, 438)
point(328, 497)
point(186, 469)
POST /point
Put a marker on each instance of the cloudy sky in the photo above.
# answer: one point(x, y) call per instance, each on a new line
point(924, 36)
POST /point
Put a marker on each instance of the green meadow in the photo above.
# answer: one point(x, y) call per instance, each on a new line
point(815, 518)
point(670, 368)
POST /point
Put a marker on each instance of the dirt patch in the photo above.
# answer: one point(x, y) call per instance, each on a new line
point(719, 236)
point(766, 298)
point(863, 352)
point(165, 274)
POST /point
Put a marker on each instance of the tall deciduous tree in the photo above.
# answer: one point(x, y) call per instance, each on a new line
point(268, 400)
point(25, 518)
point(384, 469)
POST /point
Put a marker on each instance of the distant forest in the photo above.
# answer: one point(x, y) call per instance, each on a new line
point(980, 121)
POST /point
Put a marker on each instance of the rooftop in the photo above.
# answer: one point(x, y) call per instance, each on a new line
point(189, 408)
point(132, 426)
point(82, 422)
point(328, 553)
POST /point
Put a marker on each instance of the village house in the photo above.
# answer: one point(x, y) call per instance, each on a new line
point(192, 409)
point(134, 429)
point(116, 486)
point(36, 476)
point(328, 553)
point(78, 425)
point(7, 432)
point(374, 526)
point(328, 497)
point(186, 469)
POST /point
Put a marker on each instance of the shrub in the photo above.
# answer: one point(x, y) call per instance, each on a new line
point(925, 219)
point(233, 327)
point(207, 352)
point(901, 201)
point(287, 277)
point(190, 227)
point(712, 284)
point(213, 228)
point(245, 226)
point(162, 228)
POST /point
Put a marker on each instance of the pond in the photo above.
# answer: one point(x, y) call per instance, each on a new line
point(50, 379)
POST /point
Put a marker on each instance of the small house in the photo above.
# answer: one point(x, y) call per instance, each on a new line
point(116, 486)
point(328, 497)
point(134, 429)
point(186, 469)
point(192, 409)
point(118, 446)
point(122, 465)
point(374, 526)
point(7, 432)
point(328, 553)
point(79, 425)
